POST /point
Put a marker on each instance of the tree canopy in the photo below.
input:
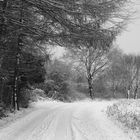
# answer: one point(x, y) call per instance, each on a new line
point(26, 26)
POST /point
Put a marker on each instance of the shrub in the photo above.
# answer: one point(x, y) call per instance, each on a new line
point(2, 110)
point(127, 112)
point(55, 90)
point(24, 98)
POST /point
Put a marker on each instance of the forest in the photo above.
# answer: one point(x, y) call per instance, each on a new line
point(91, 66)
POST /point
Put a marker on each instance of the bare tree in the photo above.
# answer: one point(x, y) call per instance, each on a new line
point(93, 61)
point(107, 23)
point(116, 73)
point(136, 76)
point(137, 79)
point(123, 74)
point(131, 63)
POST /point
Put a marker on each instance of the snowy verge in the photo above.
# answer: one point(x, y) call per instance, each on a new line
point(12, 117)
point(126, 113)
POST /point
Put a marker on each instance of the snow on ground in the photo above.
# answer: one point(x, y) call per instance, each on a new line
point(12, 117)
point(51, 120)
point(126, 113)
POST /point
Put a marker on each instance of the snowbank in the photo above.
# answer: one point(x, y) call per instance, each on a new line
point(12, 117)
point(126, 112)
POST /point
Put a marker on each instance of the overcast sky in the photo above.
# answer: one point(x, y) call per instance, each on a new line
point(129, 40)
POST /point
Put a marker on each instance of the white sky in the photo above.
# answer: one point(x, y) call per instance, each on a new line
point(129, 40)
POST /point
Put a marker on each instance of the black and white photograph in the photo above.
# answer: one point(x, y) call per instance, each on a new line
point(69, 69)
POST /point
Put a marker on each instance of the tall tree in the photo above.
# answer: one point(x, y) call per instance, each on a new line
point(131, 63)
point(93, 61)
point(92, 51)
point(123, 74)
point(30, 71)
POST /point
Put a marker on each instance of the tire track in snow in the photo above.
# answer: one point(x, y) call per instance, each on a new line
point(65, 121)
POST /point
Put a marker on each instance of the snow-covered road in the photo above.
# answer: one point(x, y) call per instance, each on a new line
point(65, 121)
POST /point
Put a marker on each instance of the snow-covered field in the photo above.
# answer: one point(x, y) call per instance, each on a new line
point(51, 120)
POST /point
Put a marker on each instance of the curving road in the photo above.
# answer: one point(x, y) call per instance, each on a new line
point(65, 121)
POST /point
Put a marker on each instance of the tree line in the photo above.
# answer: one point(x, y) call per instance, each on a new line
point(124, 74)
point(106, 74)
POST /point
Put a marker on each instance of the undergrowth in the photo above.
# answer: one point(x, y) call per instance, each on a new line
point(127, 112)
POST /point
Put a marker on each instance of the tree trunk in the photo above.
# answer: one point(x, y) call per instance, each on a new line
point(135, 92)
point(90, 88)
point(137, 84)
point(18, 52)
point(114, 92)
point(128, 93)
point(15, 90)
point(3, 20)
point(1, 91)
point(114, 89)
point(3, 29)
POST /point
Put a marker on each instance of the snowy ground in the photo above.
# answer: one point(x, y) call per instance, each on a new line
point(126, 113)
point(83, 120)
point(12, 117)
